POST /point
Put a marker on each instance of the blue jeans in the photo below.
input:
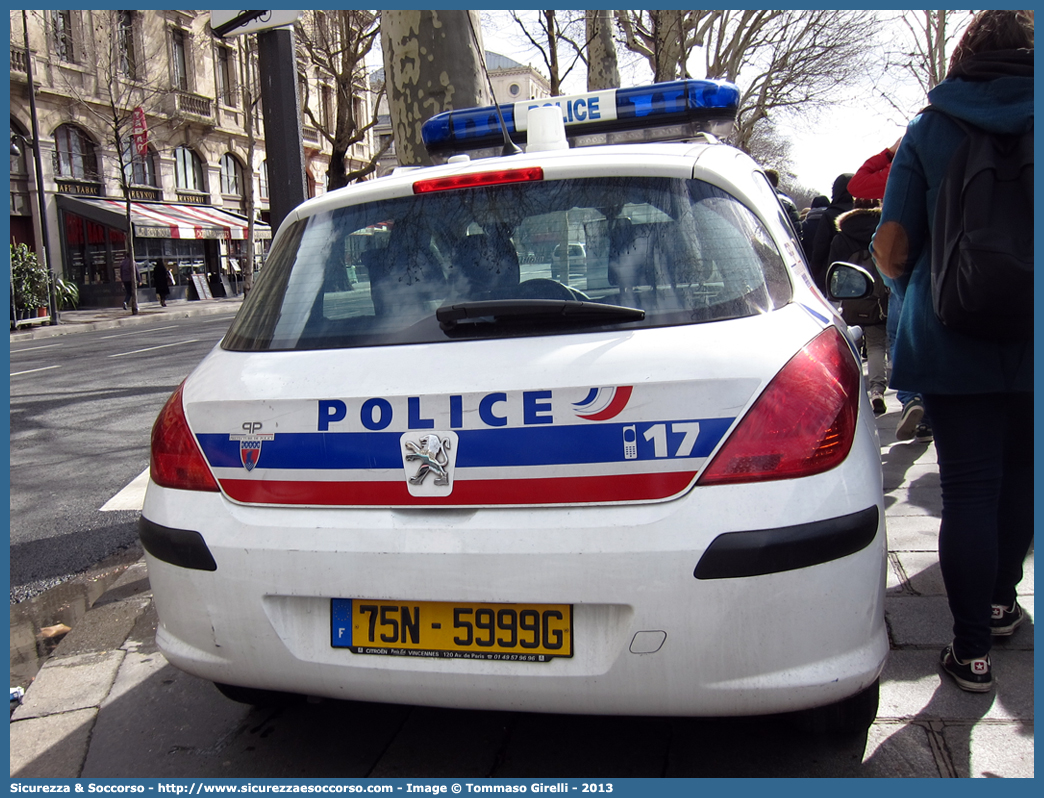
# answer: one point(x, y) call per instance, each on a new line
point(986, 475)
point(895, 307)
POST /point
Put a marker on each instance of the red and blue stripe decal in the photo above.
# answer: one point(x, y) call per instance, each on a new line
point(541, 464)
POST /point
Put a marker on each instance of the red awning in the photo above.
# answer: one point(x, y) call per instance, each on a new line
point(169, 220)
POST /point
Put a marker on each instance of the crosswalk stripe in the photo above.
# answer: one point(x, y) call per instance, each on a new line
point(132, 497)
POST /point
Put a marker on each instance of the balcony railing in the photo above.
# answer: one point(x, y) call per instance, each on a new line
point(18, 60)
point(310, 135)
point(195, 104)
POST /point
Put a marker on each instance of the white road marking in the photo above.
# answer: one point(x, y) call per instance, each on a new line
point(153, 348)
point(33, 348)
point(32, 371)
point(139, 332)
point(132, 497)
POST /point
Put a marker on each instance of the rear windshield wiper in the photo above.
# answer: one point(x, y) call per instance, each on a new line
point(570, 311)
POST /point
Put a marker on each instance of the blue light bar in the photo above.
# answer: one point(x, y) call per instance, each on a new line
point(678, 109)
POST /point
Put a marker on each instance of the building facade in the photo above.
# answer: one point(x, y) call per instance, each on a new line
point(149, 124)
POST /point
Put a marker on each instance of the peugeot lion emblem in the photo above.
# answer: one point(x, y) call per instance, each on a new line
point(428, 461)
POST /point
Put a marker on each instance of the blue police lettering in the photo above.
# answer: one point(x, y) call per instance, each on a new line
point(378, 413)
point(486, 410)
point(384, 414)
point(533, 410)
point(330, 411)
point(577, 109)
point(415, 421)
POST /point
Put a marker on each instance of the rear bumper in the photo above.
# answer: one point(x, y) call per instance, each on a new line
point(649, 636)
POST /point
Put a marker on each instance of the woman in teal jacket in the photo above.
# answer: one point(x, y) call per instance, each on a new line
point(979, 393)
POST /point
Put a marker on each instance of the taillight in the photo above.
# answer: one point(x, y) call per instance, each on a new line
point(176, 459)
point(802, 424)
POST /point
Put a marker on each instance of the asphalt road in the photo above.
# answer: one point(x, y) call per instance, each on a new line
point(82, 408)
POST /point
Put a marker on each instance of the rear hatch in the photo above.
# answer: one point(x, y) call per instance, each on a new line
point(429, 349)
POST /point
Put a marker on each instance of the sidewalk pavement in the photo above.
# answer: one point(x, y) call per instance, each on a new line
point(77, 321)
point(106, 689)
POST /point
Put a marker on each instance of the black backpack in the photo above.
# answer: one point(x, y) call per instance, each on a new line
point(872, 309)
point(982, 240)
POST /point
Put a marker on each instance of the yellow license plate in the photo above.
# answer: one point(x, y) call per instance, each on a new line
point(508, 632)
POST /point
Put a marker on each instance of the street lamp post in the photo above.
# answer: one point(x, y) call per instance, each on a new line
point(34, 145)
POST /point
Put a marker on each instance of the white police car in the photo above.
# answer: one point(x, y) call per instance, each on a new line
point(649, 487)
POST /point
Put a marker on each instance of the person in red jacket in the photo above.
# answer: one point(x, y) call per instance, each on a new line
point(869, 181)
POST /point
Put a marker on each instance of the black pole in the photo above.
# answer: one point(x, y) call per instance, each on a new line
point(277, 65)
point(53, 309)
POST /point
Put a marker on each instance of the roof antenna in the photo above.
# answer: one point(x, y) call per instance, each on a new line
point(510, 148)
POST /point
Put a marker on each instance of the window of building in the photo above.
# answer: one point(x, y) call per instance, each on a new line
point(126, 51)
point(263, 177)
point(226, 75)
point(75, 156)
point(188, 170)
point(302, 90)
point(514, 89)
point(179, 62)
point(19, 164)
point(326, 107)
point(139, 169)
point(62, 28)
point(231, 175)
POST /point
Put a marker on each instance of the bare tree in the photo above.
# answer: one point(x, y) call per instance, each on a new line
point(788, 60)
point(432, 63)
point(338, 42)
point(603, 71)
point(553, 33)
point(920, 50)
point(665, 38)
point(780, 59)
point(251, 89)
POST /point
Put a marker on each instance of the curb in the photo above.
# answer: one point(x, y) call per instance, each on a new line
point(77, 321)
point(51, 728)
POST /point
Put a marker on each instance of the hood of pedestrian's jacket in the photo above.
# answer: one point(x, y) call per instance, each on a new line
point(839, 192)
point(859, 223)
point(993, 91)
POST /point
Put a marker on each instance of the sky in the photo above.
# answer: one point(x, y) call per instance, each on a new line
point(837, 141)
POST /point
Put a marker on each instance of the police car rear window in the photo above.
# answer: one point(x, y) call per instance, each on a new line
point(682, 251)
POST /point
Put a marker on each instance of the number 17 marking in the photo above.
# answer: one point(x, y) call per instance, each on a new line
point(657, 433)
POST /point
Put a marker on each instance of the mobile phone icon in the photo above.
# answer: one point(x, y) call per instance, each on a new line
point(630, 439)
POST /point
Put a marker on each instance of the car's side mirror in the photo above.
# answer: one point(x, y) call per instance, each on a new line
point(848, 281)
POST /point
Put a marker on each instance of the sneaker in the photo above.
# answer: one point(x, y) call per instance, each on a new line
point(973, 675)
point(124, 305)
point(878, 403)
point(1006, 619)
point(913, 412)
point(923, 434)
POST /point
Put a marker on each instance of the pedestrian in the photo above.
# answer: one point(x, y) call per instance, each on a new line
point(130, 275)
point(855, 229)
point(870, 180)
point(978, 391)
point(162, 281)
point(810, 224)
point(788, 204)
point(840, 202)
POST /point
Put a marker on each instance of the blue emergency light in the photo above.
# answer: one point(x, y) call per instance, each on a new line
point(663, 111)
